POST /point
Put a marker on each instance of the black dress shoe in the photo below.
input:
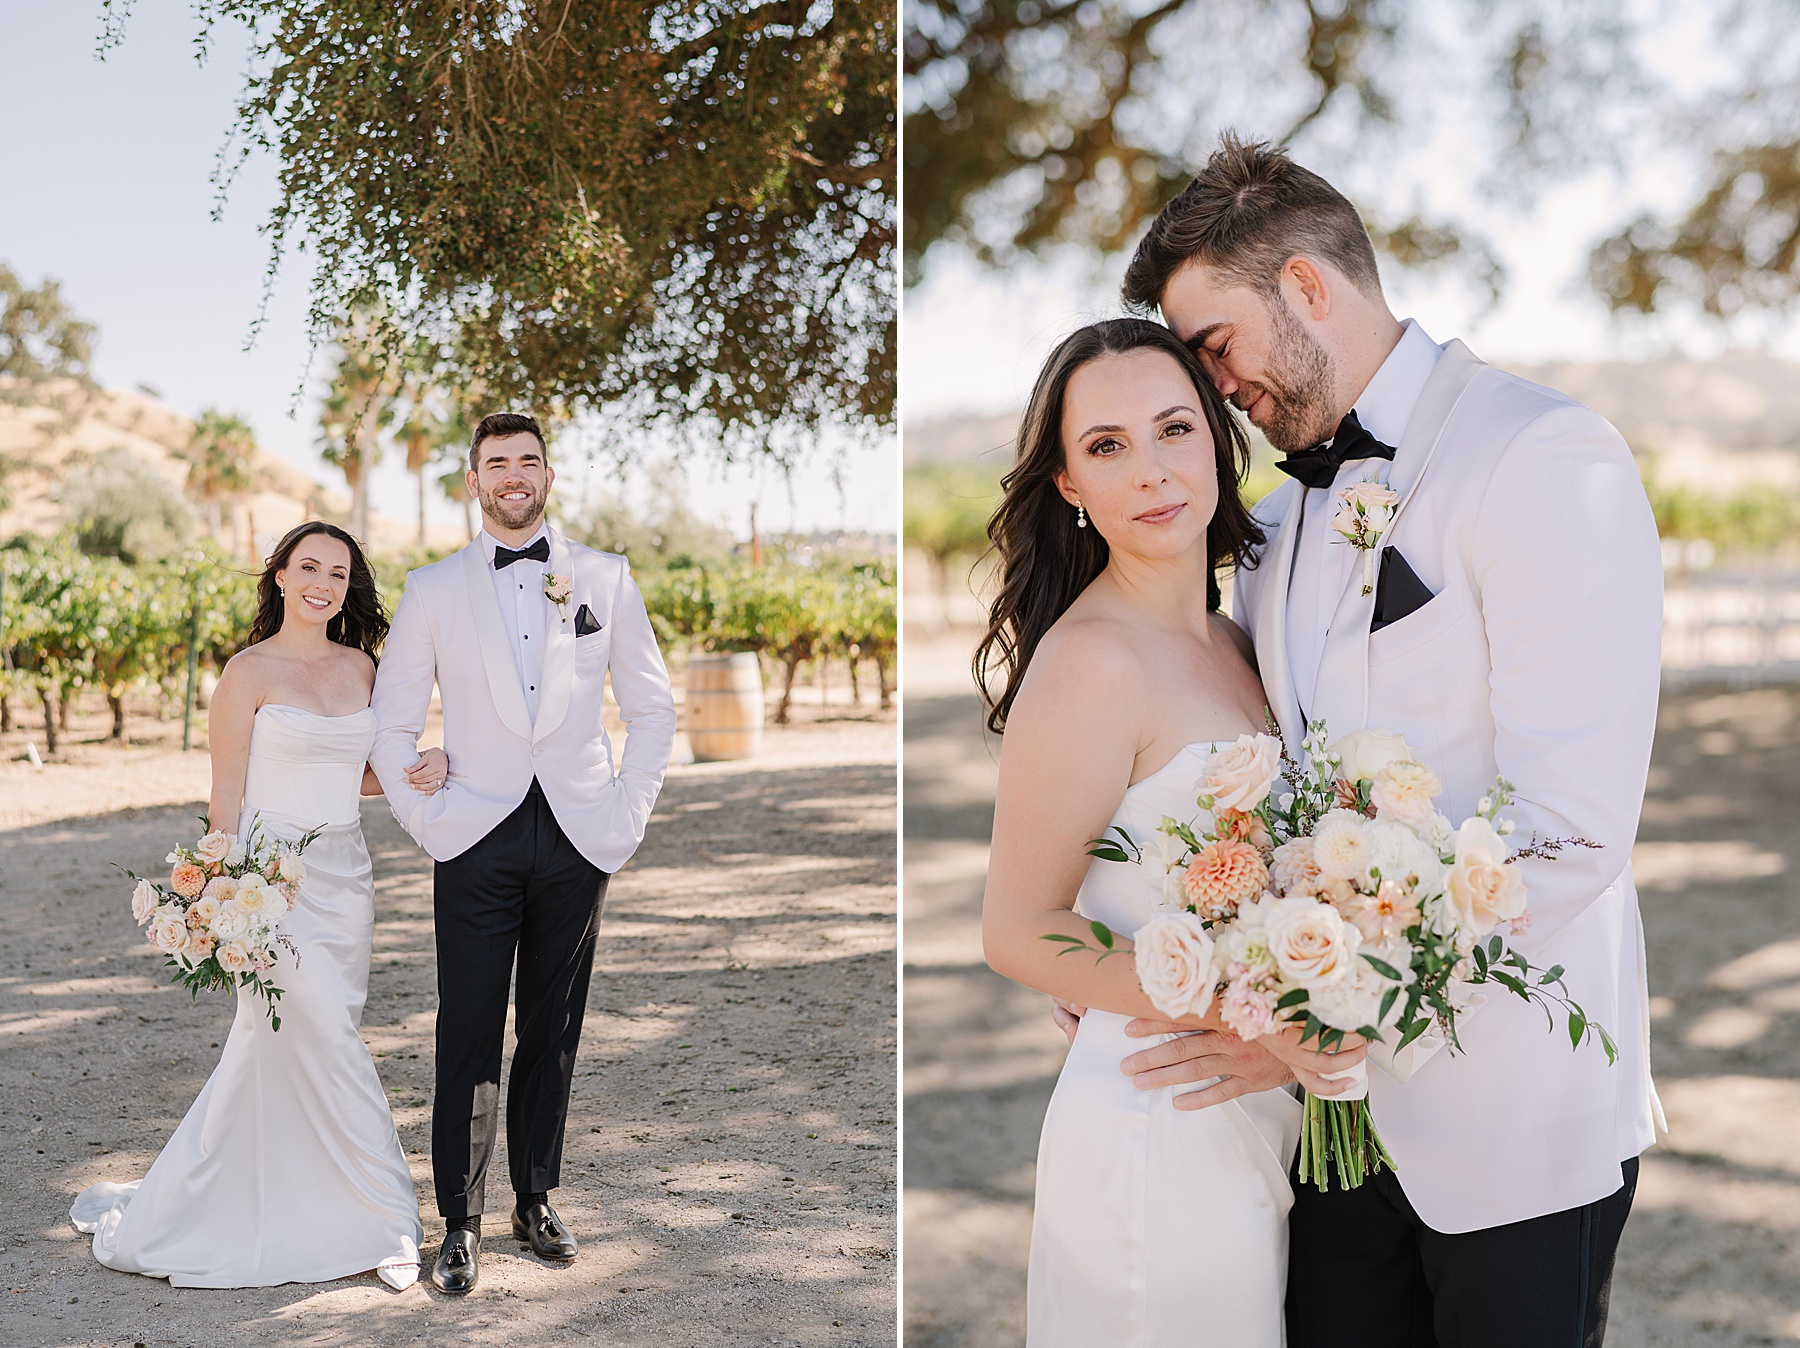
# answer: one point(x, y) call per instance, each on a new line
point(539, 1227)
point(458, 1263)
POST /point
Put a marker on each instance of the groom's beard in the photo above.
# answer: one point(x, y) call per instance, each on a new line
point(1298, 381)
point(514, 514)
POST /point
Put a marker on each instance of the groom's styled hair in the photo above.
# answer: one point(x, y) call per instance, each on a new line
point(1245, 214)
point(503, 423)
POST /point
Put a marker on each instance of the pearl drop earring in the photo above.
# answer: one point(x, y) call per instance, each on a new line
point(1080, 516)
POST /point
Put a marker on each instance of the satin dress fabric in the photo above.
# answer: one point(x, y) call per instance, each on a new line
point(287, 1167)
point(1155, 1227)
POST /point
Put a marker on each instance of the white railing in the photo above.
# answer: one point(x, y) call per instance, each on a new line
point(1731, 626)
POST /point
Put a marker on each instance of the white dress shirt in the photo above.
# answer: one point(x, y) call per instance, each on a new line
point(520, 590)
point(1322, 560)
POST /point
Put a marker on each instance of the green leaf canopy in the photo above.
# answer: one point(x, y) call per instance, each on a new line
point(685, 208)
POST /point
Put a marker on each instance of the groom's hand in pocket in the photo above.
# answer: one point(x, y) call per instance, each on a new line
point(1242, 1066)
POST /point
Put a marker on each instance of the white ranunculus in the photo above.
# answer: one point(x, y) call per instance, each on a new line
point(1174, 956)
point(1363, 753)
point(259, 899)
point(1245, 939)
point(1397, 852)
point(144, 901)
point(1312, 944)
point(1482, 890)
point(231, 922)
point(1239, 776)
point(1340, 850)
point(1403, 791)
point(1354, 1001)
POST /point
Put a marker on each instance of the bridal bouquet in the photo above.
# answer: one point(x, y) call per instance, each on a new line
point(217, 917)
point(1347, 903)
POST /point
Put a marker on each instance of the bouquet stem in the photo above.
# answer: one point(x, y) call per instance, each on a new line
point(1340, 1136)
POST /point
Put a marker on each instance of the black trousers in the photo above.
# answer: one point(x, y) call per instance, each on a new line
point(522, 891)
point(1365, 1272)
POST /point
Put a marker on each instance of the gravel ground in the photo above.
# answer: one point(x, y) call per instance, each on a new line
point(730, 1158)
point(1711, 1257)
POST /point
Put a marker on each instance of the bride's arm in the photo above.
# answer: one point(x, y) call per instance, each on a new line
point(1065, 761)
point(230, 717)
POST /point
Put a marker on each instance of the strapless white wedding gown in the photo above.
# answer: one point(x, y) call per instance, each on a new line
point(287, 1167)
point(1155, 1227)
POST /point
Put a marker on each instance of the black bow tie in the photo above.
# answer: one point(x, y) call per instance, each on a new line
point(537, 552)
point(1318, 467)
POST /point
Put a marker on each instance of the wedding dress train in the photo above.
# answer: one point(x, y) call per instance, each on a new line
point(1155, 1227)
point(287, 1167)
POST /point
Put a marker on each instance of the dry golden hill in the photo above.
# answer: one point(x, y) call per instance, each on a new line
point(53, 444)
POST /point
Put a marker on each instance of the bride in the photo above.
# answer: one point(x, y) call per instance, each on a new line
point(1160, 1218)
point(287, 1167)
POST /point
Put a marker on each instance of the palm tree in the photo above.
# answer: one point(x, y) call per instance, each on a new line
point(358, 406)
point(221, 459)
point(456, 488)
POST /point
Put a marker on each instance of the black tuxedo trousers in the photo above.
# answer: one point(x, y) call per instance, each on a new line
point(522, 895)
point(1365, 1272)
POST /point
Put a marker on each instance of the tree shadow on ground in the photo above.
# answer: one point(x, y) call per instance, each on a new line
point(729, 1160)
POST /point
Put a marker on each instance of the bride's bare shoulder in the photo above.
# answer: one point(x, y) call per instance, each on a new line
point(243, 681)
point(1085, 659)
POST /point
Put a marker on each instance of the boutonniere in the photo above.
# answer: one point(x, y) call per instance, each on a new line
point(1365, 509)
point(558, 591)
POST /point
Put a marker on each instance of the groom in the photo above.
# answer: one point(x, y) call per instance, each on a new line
point(1513, 627)
point(519, 631)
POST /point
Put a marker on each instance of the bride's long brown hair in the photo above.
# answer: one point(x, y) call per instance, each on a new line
point(1045, 560)
point(359, 623)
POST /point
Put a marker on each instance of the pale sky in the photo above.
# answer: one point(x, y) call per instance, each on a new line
point(105, 186)
point(974, 338)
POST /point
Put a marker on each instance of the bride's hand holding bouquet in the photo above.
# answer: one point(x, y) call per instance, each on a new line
point(219, 914)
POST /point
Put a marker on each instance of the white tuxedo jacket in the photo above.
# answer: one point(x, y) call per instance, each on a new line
point(448, 629)
point(1537, 659)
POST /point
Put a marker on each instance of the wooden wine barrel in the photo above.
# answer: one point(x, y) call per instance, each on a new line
point(724, 706)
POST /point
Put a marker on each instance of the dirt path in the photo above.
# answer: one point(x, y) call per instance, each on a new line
point(1711, 1258)
point(730, 1156)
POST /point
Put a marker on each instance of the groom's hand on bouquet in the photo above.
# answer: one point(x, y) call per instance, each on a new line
point(1310, 1066)
point(1243, 1066)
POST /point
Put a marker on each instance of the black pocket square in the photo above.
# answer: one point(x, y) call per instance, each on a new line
point(1398, 592)
point(585, 623)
